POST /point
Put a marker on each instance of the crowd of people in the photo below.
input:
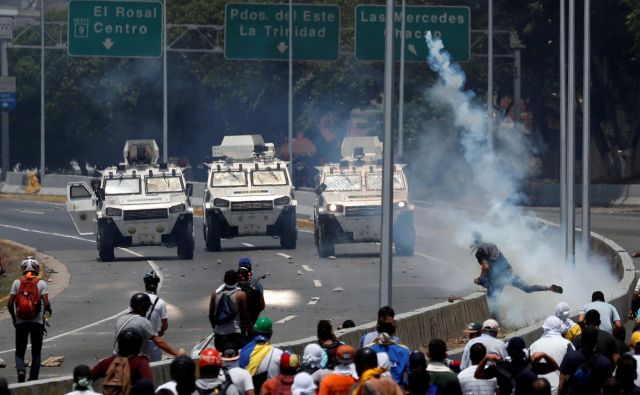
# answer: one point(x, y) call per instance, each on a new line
point(584, 357)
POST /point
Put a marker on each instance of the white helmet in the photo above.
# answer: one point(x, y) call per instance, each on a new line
point(30, 264)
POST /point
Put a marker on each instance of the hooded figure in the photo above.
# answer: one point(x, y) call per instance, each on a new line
point(569, 328)
point(553, 344)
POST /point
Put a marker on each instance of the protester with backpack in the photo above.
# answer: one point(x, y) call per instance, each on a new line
point(228, 312)
point(157, 315)
point(255, 298)
point(329, 342)
point(123, 370)
point(27, 304)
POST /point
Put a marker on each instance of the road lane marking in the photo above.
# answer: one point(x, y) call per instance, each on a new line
point(317, 283)
point(282, 254)
point(248, 245)
point(305, 231)
point(307, 268)
point(285, 319)
point(45, 233)
point(314, 300)
point(22, 210)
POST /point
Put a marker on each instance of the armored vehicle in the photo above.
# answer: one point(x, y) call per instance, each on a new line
point(348, 203)
point(248, 193)
point(137, 203)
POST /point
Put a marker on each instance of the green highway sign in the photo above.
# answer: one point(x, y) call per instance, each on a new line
point(260, 31)
point(451, 24)
point(115, 28)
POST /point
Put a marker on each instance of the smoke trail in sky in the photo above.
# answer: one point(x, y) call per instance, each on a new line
point(490, 195)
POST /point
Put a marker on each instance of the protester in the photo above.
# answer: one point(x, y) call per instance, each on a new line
point(347, 324)
point(635, 346)
point(341, 380)
point(228, 312)
point(183, 377)
point(584, 370)
point(259, 357)
point(253, 291)
point(488, 338)
point(135, 320)
point(303, 384)
point(540, 386)
point(311, 358)
point(440, 374)
point(569, 328)
point(468, 383)
point(626, 373)
point(28, 302)
point(553, 344)
point(385, 312)
point(607, 344)
point(82, 381)
point(157, 315)
point(370, 382)
point(397, 353)
point(496, 271)
point(328, 341)
point(473, 330)
point(419, 380)
point(281, 384)
point(129, 346)
point(213, 377)
point(609, 316)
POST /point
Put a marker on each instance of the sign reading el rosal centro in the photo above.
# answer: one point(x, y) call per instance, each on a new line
point(450, 24)
point(115, 28)
point(260, 31)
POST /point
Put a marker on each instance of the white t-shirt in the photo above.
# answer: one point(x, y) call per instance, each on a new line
point(556, 347)
point(471, 385)
point(159, 312)
point(492, 345)
point(241, 379)
point(43, 289)
point(87, 392)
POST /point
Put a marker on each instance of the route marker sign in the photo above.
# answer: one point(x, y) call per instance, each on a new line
point(451, 24)
point(115, 28)
point(260, 31)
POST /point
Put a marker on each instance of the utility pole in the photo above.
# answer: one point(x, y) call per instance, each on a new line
point(165, 116)
point(490, 79)
point(42, 130)
point(6, 34)
point(386, 249)
point(586, 133)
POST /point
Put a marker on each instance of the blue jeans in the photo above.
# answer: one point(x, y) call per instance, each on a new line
point(498, 282)
point(23, 331)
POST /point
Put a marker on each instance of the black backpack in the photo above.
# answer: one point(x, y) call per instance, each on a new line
point(224, 310)
point(253, 300)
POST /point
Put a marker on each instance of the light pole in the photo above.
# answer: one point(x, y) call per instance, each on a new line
point(165, 120)
point(290, 93)
point(6, 14)
point(490, 79)
point(586, 135)
point(42, 130)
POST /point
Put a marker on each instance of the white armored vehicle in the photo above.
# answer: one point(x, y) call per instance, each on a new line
point(348, 203)
point(137, 203)
point(248, 193)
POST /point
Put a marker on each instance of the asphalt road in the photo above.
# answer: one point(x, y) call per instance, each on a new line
point(300, 290)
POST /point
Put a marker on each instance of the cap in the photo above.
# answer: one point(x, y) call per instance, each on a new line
point(209, 356)
point(289, 360)
point(245, 262)
point(243, 273)
point(490, 325)
point(345, 354)
point(473, 327)
point(303, 384)
point(635, 339)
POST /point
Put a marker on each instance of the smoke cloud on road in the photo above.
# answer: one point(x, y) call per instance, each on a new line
point(482, 190)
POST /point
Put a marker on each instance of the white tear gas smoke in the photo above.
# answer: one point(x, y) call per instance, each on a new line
point(485, 201)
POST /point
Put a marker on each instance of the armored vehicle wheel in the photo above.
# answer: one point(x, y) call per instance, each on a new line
point(105, 243)
point(289, 234)
point(212, 234)
point(325, 245)
point(405, 236)
point(185, 243)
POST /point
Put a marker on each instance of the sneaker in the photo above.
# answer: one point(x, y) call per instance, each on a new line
point(21, 376)
point(555, 288)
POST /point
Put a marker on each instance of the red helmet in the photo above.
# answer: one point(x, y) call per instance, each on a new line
point(210, 356)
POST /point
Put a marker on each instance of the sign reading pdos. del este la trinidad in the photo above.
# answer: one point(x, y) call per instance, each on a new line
point(450, 24)
point(260, 31)
point(115, 28)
